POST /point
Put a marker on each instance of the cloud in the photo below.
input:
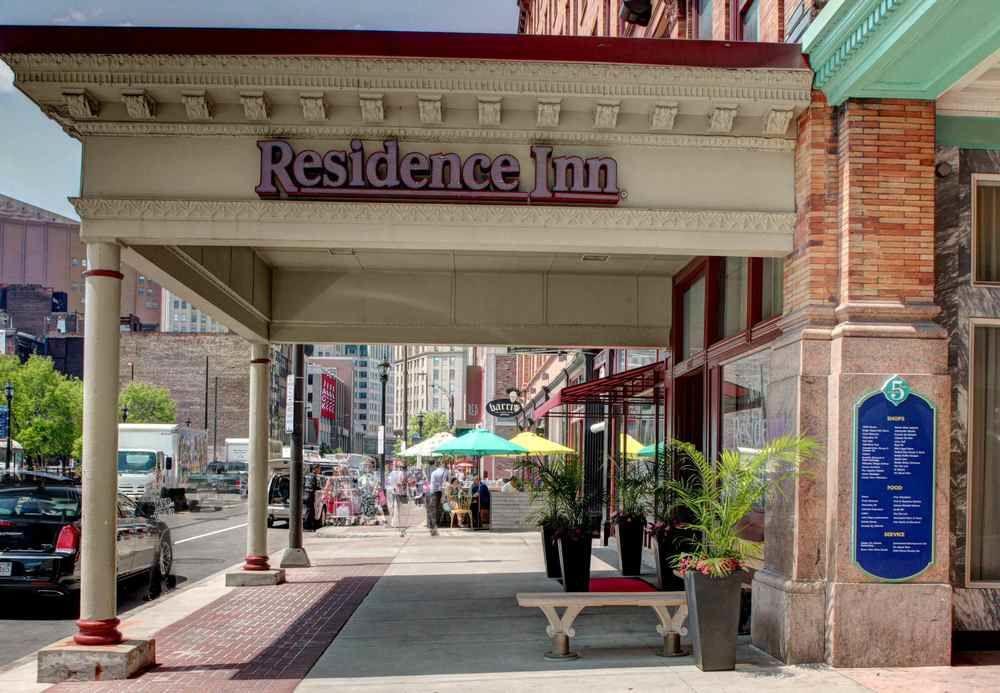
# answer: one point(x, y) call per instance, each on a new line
point(6, 78)
point(75, 16)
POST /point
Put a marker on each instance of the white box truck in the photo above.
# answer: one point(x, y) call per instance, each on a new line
point(155, 461)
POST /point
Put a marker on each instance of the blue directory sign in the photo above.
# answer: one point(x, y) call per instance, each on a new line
point(4, 420)
point(894, 476)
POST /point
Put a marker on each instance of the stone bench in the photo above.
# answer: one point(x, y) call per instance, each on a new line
point(560, 627)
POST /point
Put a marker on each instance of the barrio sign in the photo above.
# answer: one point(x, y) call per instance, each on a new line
point(385, 174)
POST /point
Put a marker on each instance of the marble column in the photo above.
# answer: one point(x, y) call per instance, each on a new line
point(256, 558)
point(98, 624)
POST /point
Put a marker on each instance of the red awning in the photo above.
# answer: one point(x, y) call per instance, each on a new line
point(634, 386)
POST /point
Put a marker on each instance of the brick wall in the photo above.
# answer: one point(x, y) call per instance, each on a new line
point(29, 305)
point(886, 169)
point(864, 204)
point(505, 374)
point(177, 362)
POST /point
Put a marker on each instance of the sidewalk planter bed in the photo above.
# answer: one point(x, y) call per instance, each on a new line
point(574, 559)
point(713, 618)
point(630, 531)
point(550, 551)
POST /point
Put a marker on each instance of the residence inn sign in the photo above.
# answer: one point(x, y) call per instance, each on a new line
point(385, 174)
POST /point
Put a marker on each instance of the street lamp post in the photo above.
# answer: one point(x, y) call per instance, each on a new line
point(9, 391)
point(125, 414)
point(420, 425)
point(131, 371)
point(383, 376)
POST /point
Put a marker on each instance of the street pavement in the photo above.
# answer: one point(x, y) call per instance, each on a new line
point(204, 543)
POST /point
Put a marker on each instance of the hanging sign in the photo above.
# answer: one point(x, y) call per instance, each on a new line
point(894, 480)
point(4, 421)
point(388, 174)
point(503, 408)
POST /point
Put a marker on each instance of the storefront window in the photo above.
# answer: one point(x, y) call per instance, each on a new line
point(772, 288)
point(984, 475)
point(733, 318)
point(744, 403)
point(693, 330)
point(987, 231)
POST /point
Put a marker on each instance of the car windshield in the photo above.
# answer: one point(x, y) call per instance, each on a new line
point(39, 502)
point(136, 462)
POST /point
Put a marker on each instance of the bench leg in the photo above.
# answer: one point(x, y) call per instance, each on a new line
point(671, 628)
point(560, 629)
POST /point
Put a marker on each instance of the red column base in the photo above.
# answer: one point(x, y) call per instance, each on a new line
point(98, 632)
point(256, 563)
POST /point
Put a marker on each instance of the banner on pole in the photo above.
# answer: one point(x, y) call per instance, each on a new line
point(290, 403)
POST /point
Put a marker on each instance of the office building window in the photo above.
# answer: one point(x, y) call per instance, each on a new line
point(749, 19)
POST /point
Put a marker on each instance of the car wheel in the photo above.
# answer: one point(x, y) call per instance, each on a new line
point(166, 558)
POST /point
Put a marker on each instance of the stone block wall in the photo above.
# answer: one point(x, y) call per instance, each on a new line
point(511, 511)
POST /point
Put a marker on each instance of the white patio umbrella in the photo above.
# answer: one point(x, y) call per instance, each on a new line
point(425, 448)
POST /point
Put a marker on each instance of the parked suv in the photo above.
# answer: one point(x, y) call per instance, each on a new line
point(40, 538)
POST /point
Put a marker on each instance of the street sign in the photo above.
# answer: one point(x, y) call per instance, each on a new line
point(4, 420)
point(290, 404)
point(381, 439)
point(894, 482)
point(503, 408)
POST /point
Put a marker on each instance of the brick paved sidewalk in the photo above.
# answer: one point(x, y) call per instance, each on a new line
point(256, 638)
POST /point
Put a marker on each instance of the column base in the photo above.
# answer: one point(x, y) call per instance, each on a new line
point(788, 618)
point(97, 632)
point(889, 625)
point(294, 558)
point(255, 578)
point(67, 661)
point(256, 563)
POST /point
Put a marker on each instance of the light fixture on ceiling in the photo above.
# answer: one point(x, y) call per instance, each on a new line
point(593, 258)
point(341, 251)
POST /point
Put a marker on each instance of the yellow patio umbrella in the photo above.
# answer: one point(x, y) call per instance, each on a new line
point(537, 445)
point(629, 445)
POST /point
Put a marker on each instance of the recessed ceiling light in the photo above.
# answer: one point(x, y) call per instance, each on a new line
point(594, 258)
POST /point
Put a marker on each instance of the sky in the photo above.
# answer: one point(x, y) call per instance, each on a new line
point(40, 164)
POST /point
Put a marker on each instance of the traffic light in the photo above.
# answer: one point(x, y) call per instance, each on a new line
point(637, 11)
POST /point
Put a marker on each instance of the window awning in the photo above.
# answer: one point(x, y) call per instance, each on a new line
point(635, 386)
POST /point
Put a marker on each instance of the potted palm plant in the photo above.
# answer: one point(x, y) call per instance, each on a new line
point(668, 530)
point(634, 486)
point(556, 482)
point(717, 496)
point(575, 534)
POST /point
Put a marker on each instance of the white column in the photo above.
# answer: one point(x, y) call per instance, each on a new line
point(256, 558)
point(98, 624)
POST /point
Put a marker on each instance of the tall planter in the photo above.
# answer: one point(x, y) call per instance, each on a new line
point(550, 552)
point(574, 559)
point(713, 618)
point(664, 550)
point(630, 545)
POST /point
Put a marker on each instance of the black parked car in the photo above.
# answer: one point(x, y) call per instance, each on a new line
point(40, 537)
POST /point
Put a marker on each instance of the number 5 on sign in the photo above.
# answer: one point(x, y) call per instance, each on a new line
point(896, 390)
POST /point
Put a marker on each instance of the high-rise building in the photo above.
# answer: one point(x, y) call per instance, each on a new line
point(364, 360)
point(434, 377)
point(181, 316)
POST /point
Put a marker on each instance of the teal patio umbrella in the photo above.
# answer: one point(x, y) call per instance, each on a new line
point(479, 443)
point(651, 449)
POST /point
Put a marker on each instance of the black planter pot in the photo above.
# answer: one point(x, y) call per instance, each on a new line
point(630, 545)
point(664, 550)
point(551, 552)
point(713, 619)
point(574, 558)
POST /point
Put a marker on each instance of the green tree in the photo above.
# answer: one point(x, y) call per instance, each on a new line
point(434, 422)
point(147, 403)
point(48, 406)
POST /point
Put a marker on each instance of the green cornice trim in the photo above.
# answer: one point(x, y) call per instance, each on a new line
point(968, 133)
point(908, 49)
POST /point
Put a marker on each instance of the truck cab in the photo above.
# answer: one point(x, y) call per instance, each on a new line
point(141, 473)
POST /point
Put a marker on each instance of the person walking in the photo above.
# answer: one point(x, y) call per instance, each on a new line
point(439, 478)
point(395, 491)
point(310, 487)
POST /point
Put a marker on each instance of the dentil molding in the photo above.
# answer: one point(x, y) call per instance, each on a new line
point(428, 214)
point(414, 74)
